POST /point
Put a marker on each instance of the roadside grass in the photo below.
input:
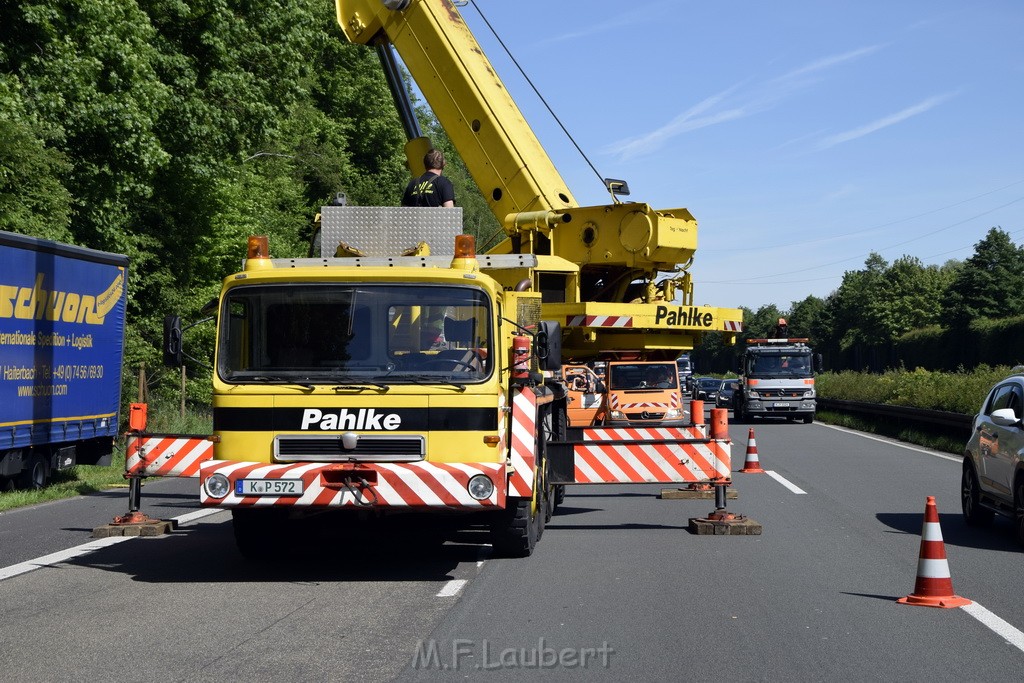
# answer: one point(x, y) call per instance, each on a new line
point(76, 481)
point(164, 418)
point(935, 441)
point(956, 392)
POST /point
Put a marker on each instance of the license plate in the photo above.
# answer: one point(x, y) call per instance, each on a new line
point(781, 404)
point(268, 487)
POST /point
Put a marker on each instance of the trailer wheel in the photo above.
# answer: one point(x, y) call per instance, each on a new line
point(35, 473)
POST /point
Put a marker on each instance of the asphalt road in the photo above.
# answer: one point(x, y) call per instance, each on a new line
point(617, 588)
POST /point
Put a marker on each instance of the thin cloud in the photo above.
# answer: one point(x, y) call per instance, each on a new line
point(736, 102)
point(694, 118)
point(884, 122)
point(827, 63)
point(844, 191)
point(613, 24)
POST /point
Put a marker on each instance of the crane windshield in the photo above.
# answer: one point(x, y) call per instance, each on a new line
point(309, 333)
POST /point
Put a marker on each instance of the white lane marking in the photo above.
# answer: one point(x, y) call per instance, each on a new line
point(785, 482)
point(1003, 629)
point(944, 456)
point(60, 556)
point(451, 588)
point(198, 514)
point(85, 548)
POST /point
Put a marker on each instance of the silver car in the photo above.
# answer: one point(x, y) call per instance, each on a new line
point(993, 472)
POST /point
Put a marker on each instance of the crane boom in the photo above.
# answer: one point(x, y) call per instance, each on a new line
point(596, 263)
point(499, 148)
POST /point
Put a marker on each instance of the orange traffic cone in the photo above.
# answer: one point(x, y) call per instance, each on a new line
point(934, 587)
point(751, 465)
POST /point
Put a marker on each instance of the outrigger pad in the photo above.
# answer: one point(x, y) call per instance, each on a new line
point(155, 527)
point(739, 526)
point(695, 494)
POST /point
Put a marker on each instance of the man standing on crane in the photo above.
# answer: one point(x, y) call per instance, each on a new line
point(781, 330)
point(431, 188)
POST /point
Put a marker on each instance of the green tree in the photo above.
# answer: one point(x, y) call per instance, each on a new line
point(855, 319)
point(988, 284)
point(808, 318)
point(762, 323)
point(86, 68)
point(32, 199)
point(909, 297)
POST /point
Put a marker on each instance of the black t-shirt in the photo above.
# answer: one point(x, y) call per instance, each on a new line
point(430, 189)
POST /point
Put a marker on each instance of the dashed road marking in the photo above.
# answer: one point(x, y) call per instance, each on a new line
point(1004, 629)
point(785, 482)
point(452, 588)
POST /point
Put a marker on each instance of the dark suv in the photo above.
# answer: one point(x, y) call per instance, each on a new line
point(993, 474)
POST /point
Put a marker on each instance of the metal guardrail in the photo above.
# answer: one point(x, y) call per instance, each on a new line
point(922, 415)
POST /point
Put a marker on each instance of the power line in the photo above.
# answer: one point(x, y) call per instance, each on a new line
point(537, 92)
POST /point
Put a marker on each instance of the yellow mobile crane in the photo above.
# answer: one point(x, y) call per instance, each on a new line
point(380, 380)
point(598, 266)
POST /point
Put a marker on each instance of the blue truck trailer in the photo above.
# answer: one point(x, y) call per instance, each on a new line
point(62, 314)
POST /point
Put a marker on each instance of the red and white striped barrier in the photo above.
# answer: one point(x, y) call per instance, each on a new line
point(524, 441)
point(599, 462)
point(674, 402)
point(599, 321)
point(161, 455)
point(645, 433)
point(411, 485)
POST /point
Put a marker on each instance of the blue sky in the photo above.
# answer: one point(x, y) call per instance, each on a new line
point(802, 135)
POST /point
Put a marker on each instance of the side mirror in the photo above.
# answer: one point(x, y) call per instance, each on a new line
point(548, 345)
point(1004, 417)
point(172, 342)
point(210, 308)
point(818, 365)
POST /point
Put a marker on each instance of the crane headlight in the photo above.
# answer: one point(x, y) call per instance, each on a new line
point(480, 487)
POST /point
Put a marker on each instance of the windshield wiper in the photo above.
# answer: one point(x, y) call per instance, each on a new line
point(357, 384)
point(424, 380)
point(269, 379)
point(361, 386)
